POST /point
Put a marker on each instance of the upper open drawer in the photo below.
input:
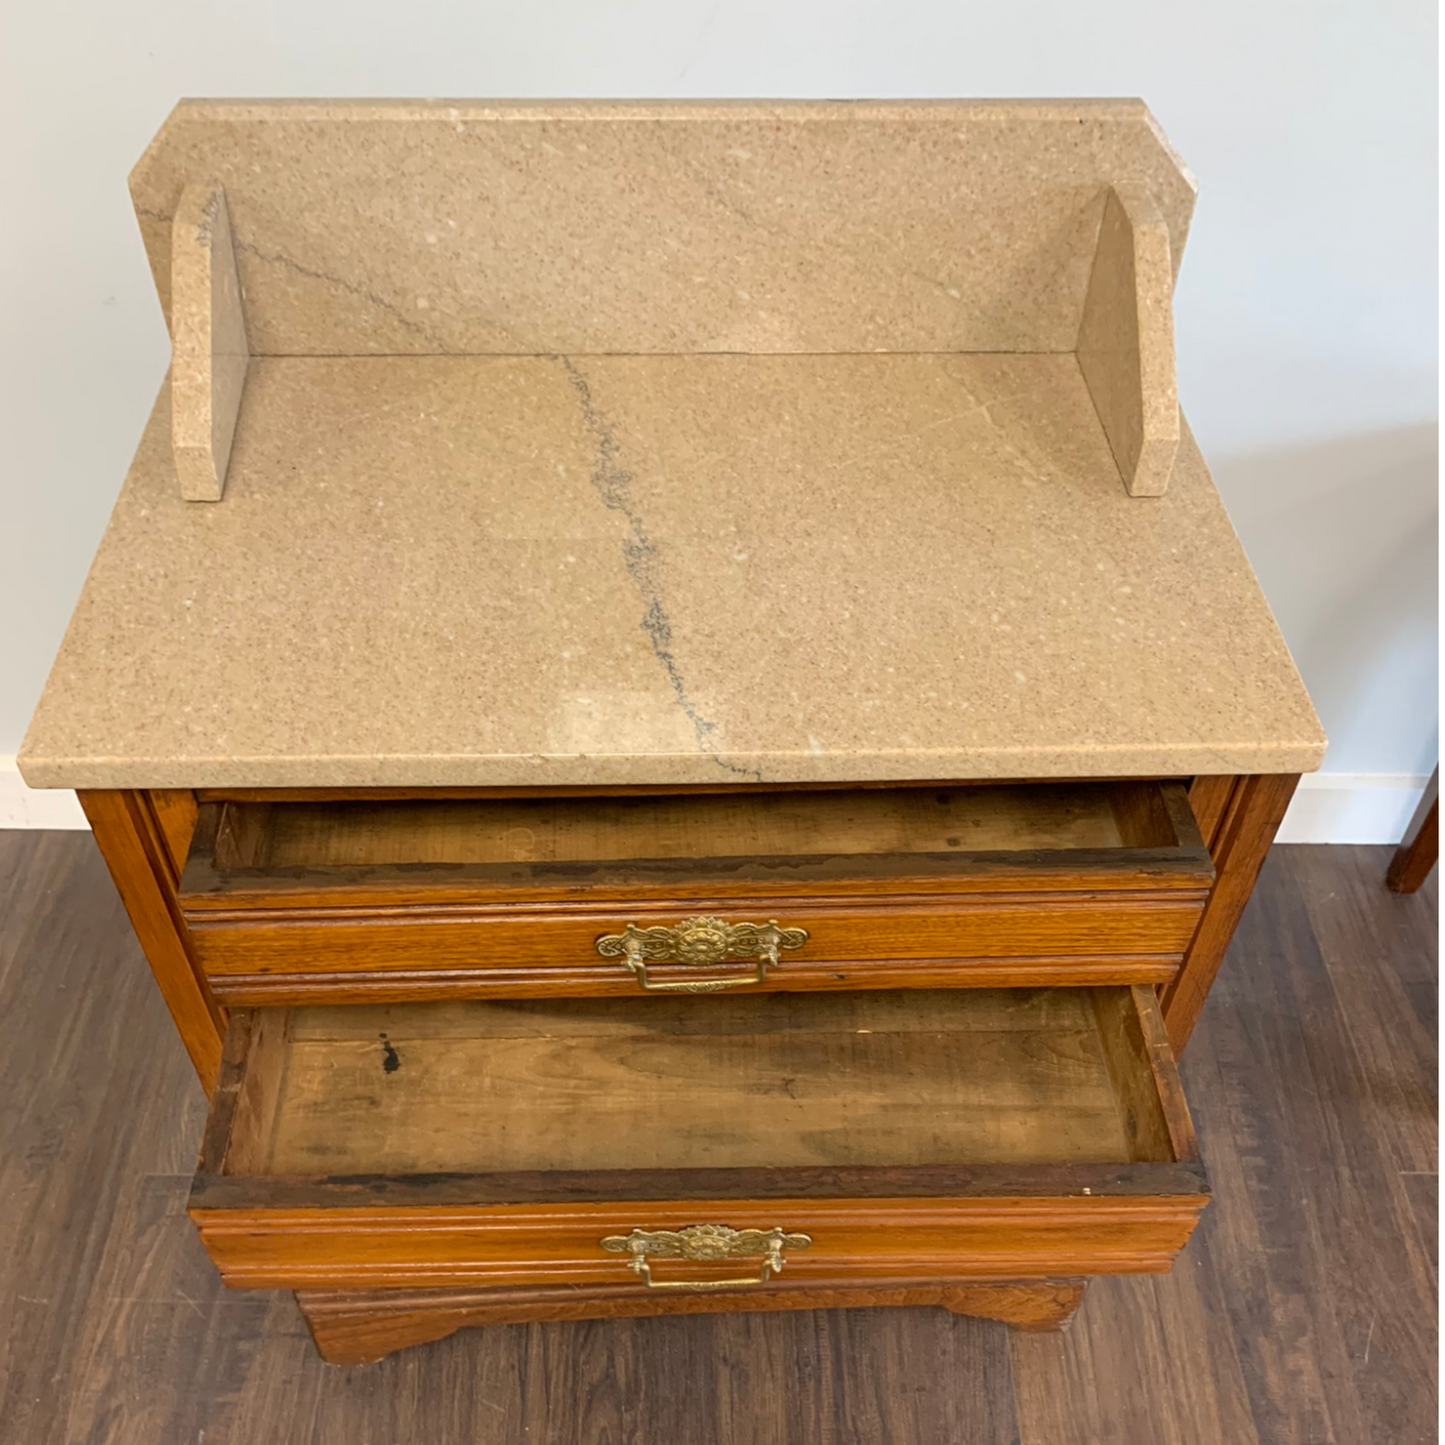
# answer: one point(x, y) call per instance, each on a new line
point(834, 888)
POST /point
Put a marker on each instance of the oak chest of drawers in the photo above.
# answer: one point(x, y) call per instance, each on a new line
point(690, 738)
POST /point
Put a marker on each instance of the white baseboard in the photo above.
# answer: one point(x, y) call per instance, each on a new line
point(1351, 808)
point(1328, 808)
point(23, 807)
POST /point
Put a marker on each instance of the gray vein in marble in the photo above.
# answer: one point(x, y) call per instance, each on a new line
point(613, 484)
point(1009, 443)
point(279, 258)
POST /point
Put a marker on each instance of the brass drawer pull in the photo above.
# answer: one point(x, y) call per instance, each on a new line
point(699, 942)
point(706, 1242)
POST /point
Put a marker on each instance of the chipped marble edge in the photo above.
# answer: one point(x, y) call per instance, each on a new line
point(667, 769)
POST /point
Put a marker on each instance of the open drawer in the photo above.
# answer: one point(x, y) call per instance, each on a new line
point(650, 1144)
point(355, 900)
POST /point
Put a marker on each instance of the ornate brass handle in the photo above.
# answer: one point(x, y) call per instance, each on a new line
point(701, 941)
point(707, 1242)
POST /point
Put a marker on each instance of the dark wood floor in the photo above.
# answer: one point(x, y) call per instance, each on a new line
point(1303, 1310)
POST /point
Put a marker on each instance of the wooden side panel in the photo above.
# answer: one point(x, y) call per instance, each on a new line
point(237, 834)
point(1209, 797)
point(1146, 1079)
point(358, 1327)
point(175, 811)
point(1136, 1095)
point(1163, 1070)
point(1144, 816)
point(1245, 829)
point(138, 842)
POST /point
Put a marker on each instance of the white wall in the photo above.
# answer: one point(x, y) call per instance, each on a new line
point(1306, 308)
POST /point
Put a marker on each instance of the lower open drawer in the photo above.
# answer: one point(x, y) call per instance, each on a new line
point(699, 1144)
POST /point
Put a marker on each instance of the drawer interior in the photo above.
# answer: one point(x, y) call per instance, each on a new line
point(891, 1080)
point(860, 824)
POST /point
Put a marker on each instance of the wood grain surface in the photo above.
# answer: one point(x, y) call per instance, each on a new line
point(360, 1327)
point(1305, 1312)
point(509, 896)
point(740, 825)
point(1419, 849)
point(953, 1076)
point(887, 832)
point(144, 844)
point(1244, 830)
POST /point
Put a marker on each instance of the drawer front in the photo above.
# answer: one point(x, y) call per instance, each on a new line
point(1041, 939)
point(342, 919)
point(828, 1139)
point(822, 1242)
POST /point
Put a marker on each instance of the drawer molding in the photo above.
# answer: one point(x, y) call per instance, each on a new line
point(263, 990)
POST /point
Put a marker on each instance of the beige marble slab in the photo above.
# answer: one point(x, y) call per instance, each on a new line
point(409, 227)
point(542, 570)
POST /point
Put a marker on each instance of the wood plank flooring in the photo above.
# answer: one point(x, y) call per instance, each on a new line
point(1302, 1311)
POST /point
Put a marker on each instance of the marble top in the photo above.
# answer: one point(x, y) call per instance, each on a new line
point(553, 570)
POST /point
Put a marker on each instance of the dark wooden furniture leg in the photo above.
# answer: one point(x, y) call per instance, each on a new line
point(1238, 818)
point(1420, 848)
point(357, 1327)
point(143, 837)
